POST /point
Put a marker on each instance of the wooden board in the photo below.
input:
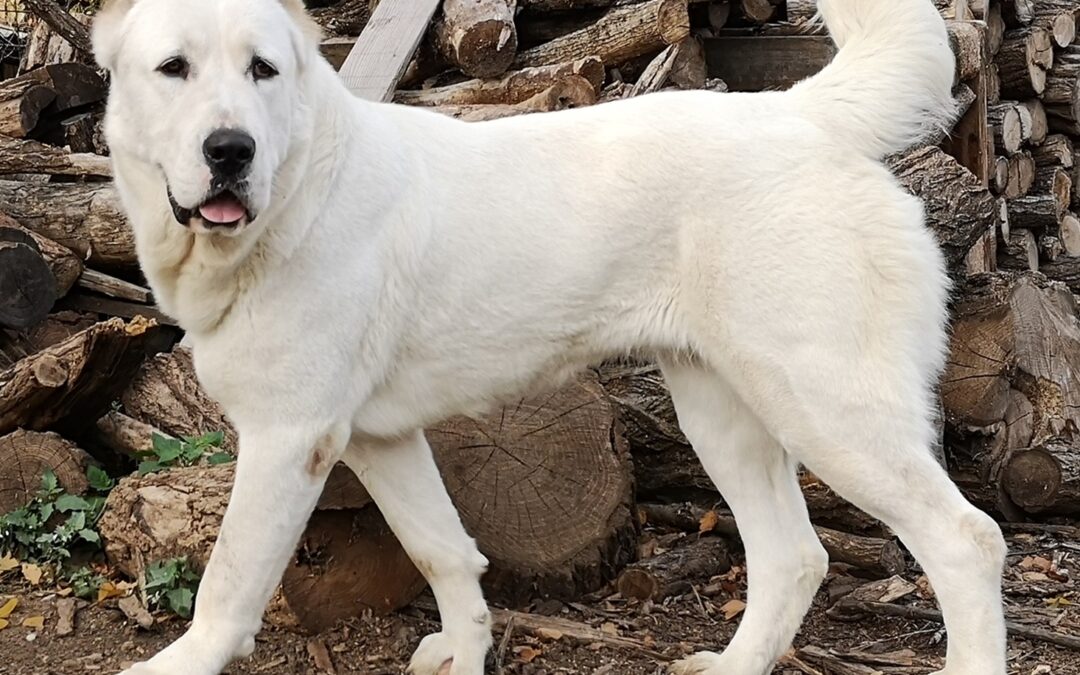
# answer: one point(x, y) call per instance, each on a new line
point(770, 62)
point(383, 50)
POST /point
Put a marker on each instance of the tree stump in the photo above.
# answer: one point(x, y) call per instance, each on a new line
point(545, 487)
point(26, 455)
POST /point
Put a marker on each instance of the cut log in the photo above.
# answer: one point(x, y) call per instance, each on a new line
point(1020, 251)
point(968, 42)
point(1034, 123)
point(125, 435)
point(1035, 211)
point(27, 286)
point(1055, 182)
point(26, 455)
point(477, 36)
point(26, 157)
point(1018, 12)
point(99, 282)
point(569, 92)
point(1020, 62)
point(348, 563)
point(622, 34)
point(1068, 231)
point(1062, 95)
point(513, 87)
point(982, 258)
point(876, 556)
point(21, 102)
point(1059, 17)
point(675, 570)
point(69, 385)
point(62, 261)
point(1044, 479)
point(1056, 150)
point(1011, 382)
point(1017, 175)
point(85, 217)
point(44, 46)
point(757, 11)
point(1004, 121)
point(958, 208)
point(75, 84)
point(85, 133)
point(545, 487)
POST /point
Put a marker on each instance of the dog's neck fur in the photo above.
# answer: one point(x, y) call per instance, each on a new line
point(198, 278)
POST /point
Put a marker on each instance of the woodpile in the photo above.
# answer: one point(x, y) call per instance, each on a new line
point(555, 487)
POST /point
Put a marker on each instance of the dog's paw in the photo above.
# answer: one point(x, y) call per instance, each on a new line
point(438, 655)
point(702, 663)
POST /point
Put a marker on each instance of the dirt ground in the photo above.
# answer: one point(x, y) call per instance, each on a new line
point(104, 640)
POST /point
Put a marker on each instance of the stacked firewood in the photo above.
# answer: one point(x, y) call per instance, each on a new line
point(554, 487)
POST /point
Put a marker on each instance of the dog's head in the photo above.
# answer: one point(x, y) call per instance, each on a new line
point(208, 92)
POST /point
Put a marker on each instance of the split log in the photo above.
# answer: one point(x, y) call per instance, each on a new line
point(1019, 251)
point(477, 36)
point(968, 42)
point(85, 217)
point(1056, 150)
point(62, 262)
point(875, 556)
point(982, 258)
point(348, 563)
point(1044, 479)
point(1011, 382)
point(1056, 183)
point(1021, 62)
point(1034, 123)
point(44, 46)
point(63, 24)
point(1017, 175)
point(513, 87)
point(545, 487)
point(622, 34)
point(569, 92)
point(995, 28)
point(26, 156)
point(71, 384)
point(1062, 95)
point(1004, 121)
point(675, 570)
point(26, 455)
point(1068, 231)
point(682, 64)
point(958, 208)
point(57, 327)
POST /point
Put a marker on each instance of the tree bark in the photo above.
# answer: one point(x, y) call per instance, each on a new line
point(85, 217)
point(26, 156)
point(57, 327)
point(26, 455)
point(958, 208)
point(478, 36)
point(1004, 120)
point(1059, 17)
point(22, 101)
point(1062, 95)
point(569, 92)
point(1056, 150)
point(545, 487)
point(1035, 211)
point(675, 570)
point(512, 87)
point(621, 34)
point(69, 385)
point(1020, 251)
point(1021, 62)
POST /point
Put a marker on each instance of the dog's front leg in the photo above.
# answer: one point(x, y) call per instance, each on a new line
point(402, 478)
point(279, 475)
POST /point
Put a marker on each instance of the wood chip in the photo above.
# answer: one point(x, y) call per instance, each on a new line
point(65, 622)
point(134, 610)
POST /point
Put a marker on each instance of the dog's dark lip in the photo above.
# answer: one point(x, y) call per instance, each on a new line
point(184, 215)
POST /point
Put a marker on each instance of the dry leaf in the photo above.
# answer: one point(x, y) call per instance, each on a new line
point(708, 521)
point(32, 573)
point(7, 563)
point(609, 628)
point(549, 634)
point(526, 654)
point(8, 607)
point(1060, 602)
point(112, 590)
point(4, 623)
point(732, 609)
point(35, 622)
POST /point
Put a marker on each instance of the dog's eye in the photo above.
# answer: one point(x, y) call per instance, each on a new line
point(177, 66)
point(261, 69)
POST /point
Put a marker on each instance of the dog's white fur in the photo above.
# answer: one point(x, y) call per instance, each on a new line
point(404, 267)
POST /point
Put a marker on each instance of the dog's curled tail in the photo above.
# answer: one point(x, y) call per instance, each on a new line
point(890, 82)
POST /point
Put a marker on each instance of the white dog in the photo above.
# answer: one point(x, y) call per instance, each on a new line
point(351, 272)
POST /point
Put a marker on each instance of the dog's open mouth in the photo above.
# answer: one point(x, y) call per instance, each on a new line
point(222, 209)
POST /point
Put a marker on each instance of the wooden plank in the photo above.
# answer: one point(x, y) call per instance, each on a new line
point(769, 62)
point(384, 48)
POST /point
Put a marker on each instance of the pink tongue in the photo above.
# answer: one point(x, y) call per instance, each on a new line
point(222, 210)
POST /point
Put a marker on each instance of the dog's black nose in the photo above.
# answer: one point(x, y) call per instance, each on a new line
point(229, 152)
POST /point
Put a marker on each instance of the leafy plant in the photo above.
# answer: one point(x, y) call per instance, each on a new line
point(85, 582)
point(54, 522)
point(171, 584)
point(187, 451)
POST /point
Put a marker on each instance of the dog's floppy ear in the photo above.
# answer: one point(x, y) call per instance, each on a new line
point(107, 33)
point(310, 32)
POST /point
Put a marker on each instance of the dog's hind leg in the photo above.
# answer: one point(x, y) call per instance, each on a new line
point(402, 478)
point(785, 560)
